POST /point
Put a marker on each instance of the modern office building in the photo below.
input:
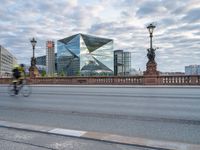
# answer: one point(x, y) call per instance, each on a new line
point(122, 62)
point(41, 61)
point(85, 55)
point(7, 61)
point(127, 63)
point(50, 57)
point(192, 70)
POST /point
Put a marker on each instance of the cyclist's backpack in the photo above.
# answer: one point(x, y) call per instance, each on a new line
point(16, 73)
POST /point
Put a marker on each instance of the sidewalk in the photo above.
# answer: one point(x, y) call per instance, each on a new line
point(13, 139)
point(84, 136)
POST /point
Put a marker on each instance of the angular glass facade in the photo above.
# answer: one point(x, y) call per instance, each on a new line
point(85, 55)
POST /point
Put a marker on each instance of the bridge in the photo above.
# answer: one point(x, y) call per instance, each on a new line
point(106, 116)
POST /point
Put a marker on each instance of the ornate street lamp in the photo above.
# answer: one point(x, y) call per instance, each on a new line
point(151, 28)
point(151, 64)
point(33, 60)
point(33, 42)
point(151, 50)
point(33, 69)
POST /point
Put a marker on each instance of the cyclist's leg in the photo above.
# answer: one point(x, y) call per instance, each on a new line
point(15, 87)
point(20, 83)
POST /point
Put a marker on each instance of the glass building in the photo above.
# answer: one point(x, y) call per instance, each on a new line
point(192, 70)
point(41, 61)
point(85, 55)
point(122, 62)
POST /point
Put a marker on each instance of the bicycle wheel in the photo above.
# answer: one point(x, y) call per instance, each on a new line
point(26, 90)
point(11, 90)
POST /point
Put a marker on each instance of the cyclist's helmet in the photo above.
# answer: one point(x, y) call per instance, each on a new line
point(22, 65)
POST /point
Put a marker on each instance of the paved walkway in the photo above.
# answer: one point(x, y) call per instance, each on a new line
point(102, 137)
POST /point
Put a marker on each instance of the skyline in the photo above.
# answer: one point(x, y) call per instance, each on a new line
point(177, 27)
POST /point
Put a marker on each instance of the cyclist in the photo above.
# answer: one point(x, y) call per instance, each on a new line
point(18, 76)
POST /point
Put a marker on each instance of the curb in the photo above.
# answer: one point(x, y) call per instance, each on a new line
point(104, 137)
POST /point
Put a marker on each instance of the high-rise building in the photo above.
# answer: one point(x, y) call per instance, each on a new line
point(85, 55)
point(127, 63)
point(7, 61)
point(50, 59)
point(122, 62)
point(41, 60)
point(192, 70)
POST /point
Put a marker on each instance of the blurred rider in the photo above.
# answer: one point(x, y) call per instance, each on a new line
point(18, 76)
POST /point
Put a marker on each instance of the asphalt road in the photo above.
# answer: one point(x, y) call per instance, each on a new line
point(171, 114)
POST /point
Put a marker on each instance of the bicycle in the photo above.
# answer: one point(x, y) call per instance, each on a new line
point(23, 88)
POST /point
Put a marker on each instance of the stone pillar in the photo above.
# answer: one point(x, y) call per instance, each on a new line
point(33, 70)
point(151, 75)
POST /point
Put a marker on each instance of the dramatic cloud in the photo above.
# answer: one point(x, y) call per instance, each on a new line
point(176, 35)
point(192, 16)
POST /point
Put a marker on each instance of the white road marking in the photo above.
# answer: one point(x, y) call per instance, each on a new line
point(67, 132)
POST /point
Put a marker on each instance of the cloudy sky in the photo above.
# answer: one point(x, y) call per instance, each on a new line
point(177, 33)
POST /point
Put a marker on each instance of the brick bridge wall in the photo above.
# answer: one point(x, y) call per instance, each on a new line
point(128, 80)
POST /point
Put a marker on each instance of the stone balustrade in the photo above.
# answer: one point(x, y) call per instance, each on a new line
point(137, 80)
point(180, 80)
point(113, 80)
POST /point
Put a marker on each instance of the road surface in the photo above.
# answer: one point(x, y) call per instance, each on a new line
point(159, 113)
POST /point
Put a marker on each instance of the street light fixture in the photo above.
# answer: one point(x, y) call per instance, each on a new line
point(151, 50)
point(33, 69)
point(151, 28)
point(33, 42)
point(151, 64)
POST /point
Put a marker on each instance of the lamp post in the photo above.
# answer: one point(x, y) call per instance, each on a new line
point(151, 28)
point(33, 69)
point(151, 50)
point(151, 64)
point(33, 42)
point(33, 60)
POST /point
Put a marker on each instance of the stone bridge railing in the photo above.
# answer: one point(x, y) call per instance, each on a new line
point(138, 80)
point(126, 80)
point(180, 80)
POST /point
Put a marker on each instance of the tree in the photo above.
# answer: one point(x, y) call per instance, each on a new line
point(43, 73)
point(62, 73)
point(78, 73)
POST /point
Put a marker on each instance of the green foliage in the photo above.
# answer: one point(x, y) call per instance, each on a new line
point(78, 73)
point(43, 73)
point(62, 73)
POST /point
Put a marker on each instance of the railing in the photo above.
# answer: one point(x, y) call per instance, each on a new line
point(132, 80)
point(180, 80)
point(5, 80)
point(138, 80)
point(113, 80)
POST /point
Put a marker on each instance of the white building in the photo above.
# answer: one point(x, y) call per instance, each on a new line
point(50, 57)
point(7, 61)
